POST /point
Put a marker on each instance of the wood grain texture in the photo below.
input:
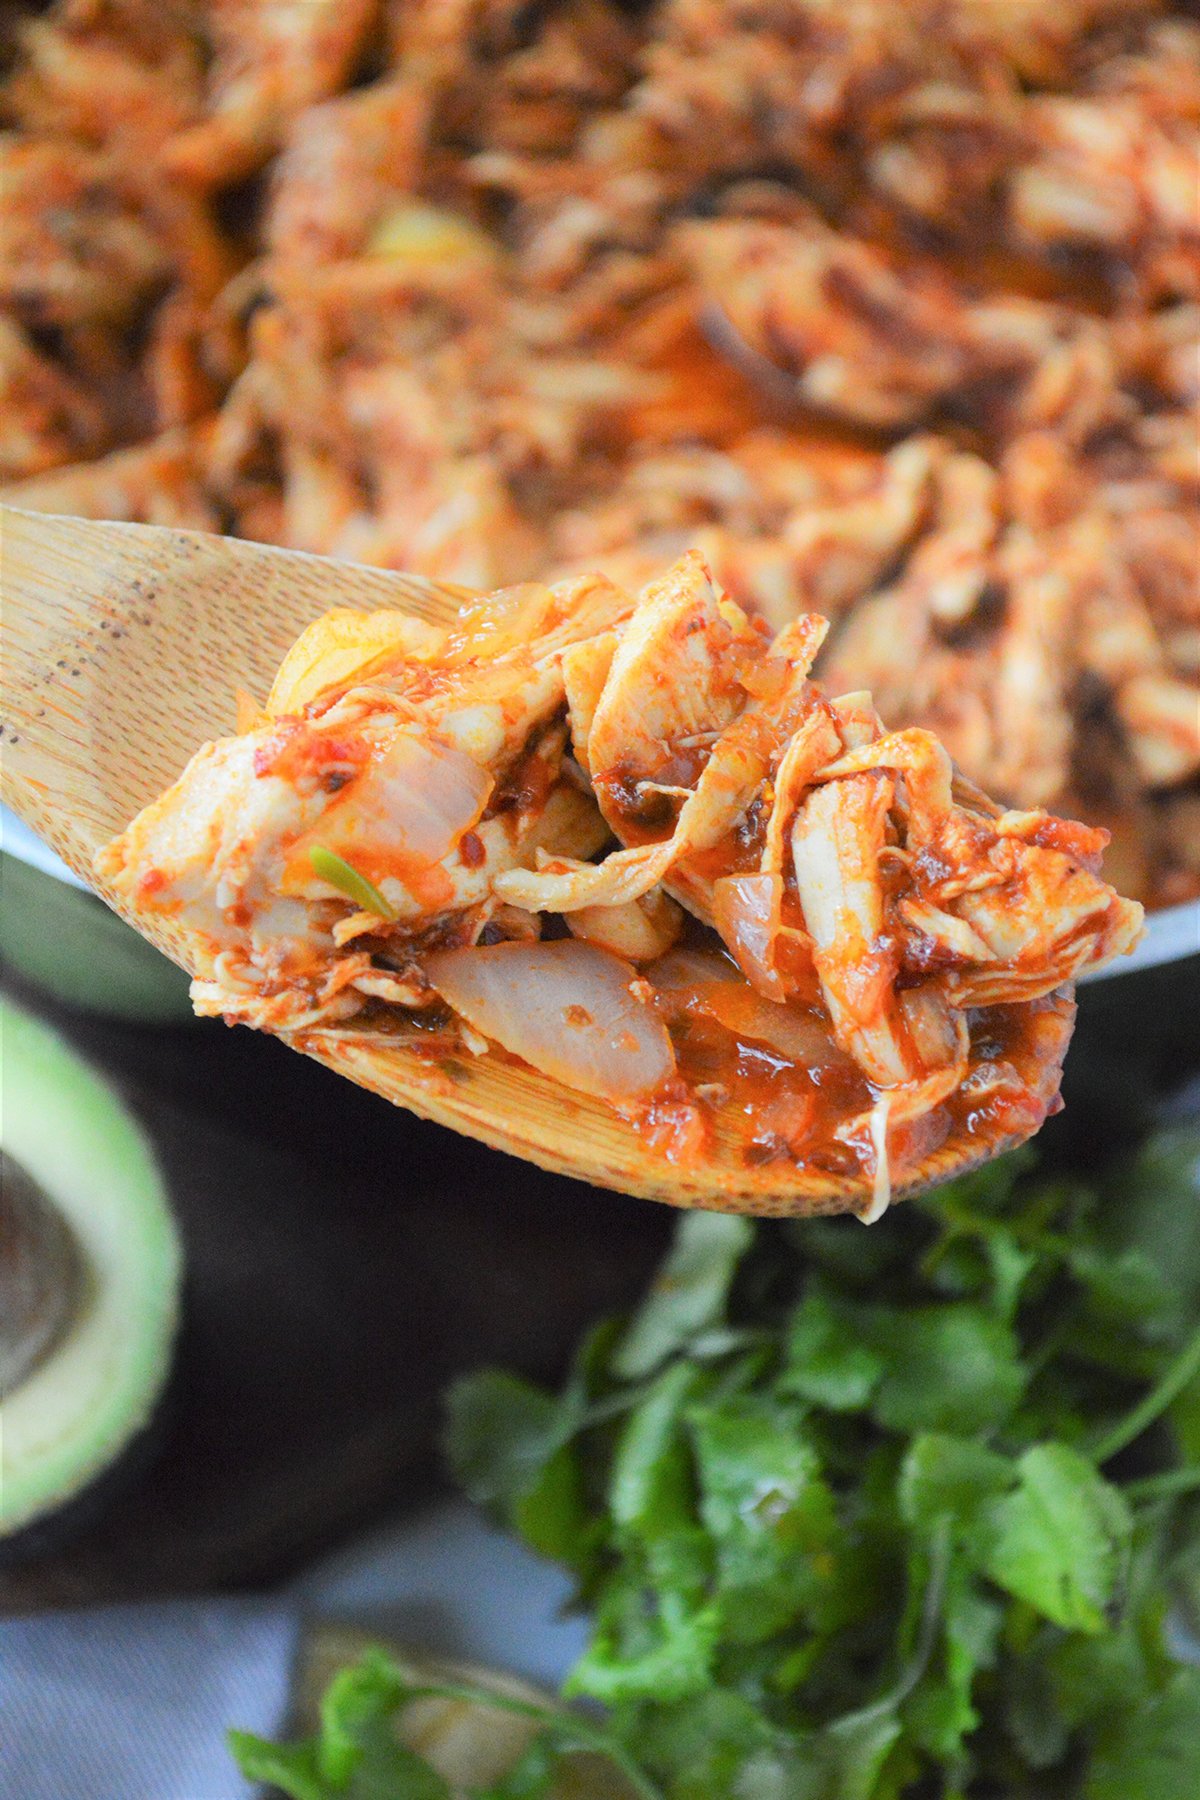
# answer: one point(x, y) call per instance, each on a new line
point(123, 646)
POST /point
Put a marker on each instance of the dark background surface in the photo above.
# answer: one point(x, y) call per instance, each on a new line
point(345, 1260)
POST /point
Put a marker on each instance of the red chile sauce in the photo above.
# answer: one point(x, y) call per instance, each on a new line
point(788, 1109)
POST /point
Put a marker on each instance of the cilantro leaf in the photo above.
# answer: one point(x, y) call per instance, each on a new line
point(851, 1753)
point(940, 1713)
point(652, 1486)
point(953, 1478)
point(689, 1293)
point(356, 1753)
point(1060, 1540)
point(1040, 1727)
point(507, 1442)
point(954, 1368)
point(1152, 1751)
point(703, 1745)
point(292, 1768)
point(768, 1510)
point(501, 1431)
point(1089, 1678)
point(641, 1650)
point(531, 1778)
point(1153, 1209)
point(826, 1360)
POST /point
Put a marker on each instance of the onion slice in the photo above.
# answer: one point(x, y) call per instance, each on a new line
point(746, 911)
point(405, 812)
point(685, 970)
point(340, 648)
point(567, 1008)
point(794, 1032)
point(707, 978)
point(639, 931)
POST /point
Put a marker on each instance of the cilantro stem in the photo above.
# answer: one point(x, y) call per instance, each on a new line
point(1172, 1383)
point(330, 867)
point(931, 1614)
point(1165, 1486)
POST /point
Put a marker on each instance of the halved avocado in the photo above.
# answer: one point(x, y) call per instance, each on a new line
point(85, 1199)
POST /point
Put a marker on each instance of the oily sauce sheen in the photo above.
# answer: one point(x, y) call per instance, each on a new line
point(794, 1108)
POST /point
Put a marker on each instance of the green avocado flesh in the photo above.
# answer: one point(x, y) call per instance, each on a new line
point(95, 1385)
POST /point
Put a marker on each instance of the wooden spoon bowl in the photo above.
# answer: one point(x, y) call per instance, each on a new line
point(124, 646)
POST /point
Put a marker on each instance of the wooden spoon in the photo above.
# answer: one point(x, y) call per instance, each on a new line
point(124, 646)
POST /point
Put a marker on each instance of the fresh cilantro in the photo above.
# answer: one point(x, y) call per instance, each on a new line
point(888, 1516)
point(768, 1511)
point(688, 1294)
point(503, 1432)
point(1153, 1753)
point(1060, 1540)
point(826, 1360)
point(955, 1367)
point(950, 1478)
point(355, 1753)
point(509, 1443)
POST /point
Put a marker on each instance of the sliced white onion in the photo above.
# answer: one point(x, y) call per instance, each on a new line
point(566, 1008)
point(692, 971)
point(793, 1031)
point(746, 915)
point(339, 647)
point(501, 622)
point(535, 619)
point(404, 813)
point(422, 794)
point(639, 931)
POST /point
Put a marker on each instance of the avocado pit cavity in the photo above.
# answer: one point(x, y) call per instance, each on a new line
point(42, 1274)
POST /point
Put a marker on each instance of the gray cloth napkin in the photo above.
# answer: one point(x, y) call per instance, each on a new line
point(133, 1702)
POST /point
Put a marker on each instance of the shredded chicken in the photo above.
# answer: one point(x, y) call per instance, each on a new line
point(891, 310)
point(416, 808)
